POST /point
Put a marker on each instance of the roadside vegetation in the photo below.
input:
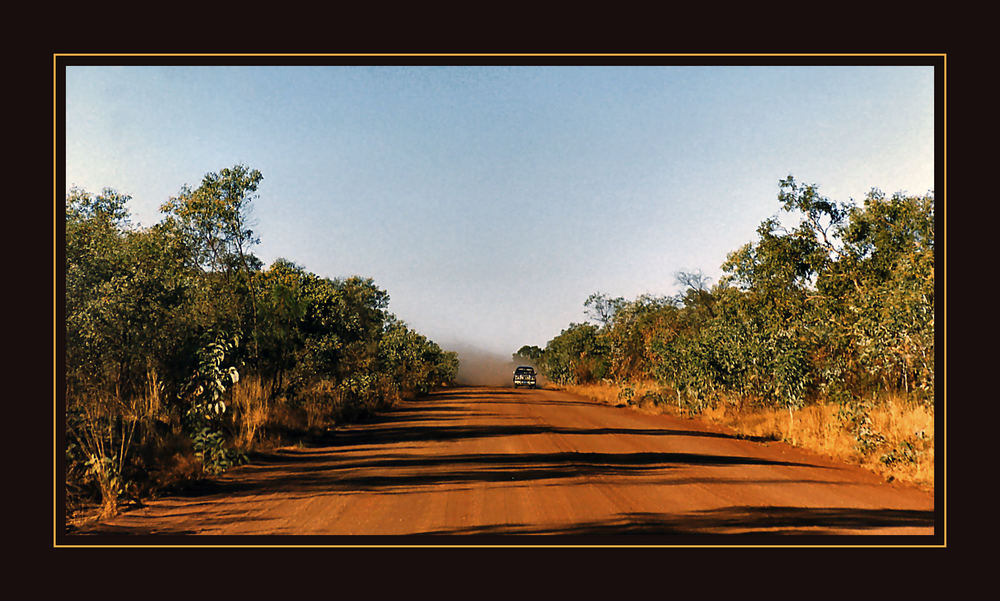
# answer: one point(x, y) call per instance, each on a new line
point(821, 335)
point(184, 354)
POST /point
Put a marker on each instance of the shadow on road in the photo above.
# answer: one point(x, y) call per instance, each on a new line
point(745, 520)
point(331, 472)
point(407, 432)
point(727, 524)
point(342, 460)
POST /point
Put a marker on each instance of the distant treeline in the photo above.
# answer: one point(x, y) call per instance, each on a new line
point(839, 307)
point(163, 322)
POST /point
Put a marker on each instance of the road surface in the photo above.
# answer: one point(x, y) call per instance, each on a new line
point(467, 463)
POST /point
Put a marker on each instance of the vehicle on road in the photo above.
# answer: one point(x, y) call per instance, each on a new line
point(524, 375)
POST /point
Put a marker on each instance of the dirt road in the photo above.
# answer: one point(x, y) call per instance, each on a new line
point(469, 463)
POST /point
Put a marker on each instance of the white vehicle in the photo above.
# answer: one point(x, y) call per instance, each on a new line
point(524, 376)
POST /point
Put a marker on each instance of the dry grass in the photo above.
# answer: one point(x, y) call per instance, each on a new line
point(262, 422)
point(909, 429)
point(321, 401)
point(901, 444)
point(612, 394)
point(249, 402)
point(176, 470)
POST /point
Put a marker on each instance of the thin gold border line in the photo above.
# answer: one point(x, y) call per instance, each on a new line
point(55, 312)
point(944, 313)
point(357, 54)
point(517, 546)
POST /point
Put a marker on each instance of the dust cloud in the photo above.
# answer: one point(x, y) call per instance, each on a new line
point(479, 367)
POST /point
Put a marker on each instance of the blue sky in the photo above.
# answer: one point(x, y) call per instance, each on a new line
point(491, 201)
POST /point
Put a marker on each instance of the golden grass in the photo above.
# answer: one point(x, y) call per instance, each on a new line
point(321, 402)
point(902, 431)
point(612, 394)
point(176, 469)
point(249, 403)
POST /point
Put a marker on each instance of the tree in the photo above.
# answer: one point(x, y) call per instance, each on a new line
point(889, 248)
point(601, 308)
point(127, 311)
point(576, 356)
point(216, 216)
point(628, 335)
point(282, 305)
point(528, 354)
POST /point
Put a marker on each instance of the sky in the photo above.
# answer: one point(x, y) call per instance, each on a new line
point(490, 202)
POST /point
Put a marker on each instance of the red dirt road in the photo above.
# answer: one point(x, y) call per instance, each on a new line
point(499, 461)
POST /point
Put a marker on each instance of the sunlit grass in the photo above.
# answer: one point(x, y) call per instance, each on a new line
point(612, 394)
point(250, 411)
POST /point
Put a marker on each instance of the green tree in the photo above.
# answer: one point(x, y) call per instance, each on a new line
point(602, 308)
point(629, 332)
point(215, 217)
point(127, 308)
point(528, 354)
point(283, 305)
point(889, 243)
point(576, 356)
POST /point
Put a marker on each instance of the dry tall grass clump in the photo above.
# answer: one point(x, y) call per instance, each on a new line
point(600, 392)
point(250, 406)
point(640, 394)
point(111, 440)
point(907, 453)
point(320, 402)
